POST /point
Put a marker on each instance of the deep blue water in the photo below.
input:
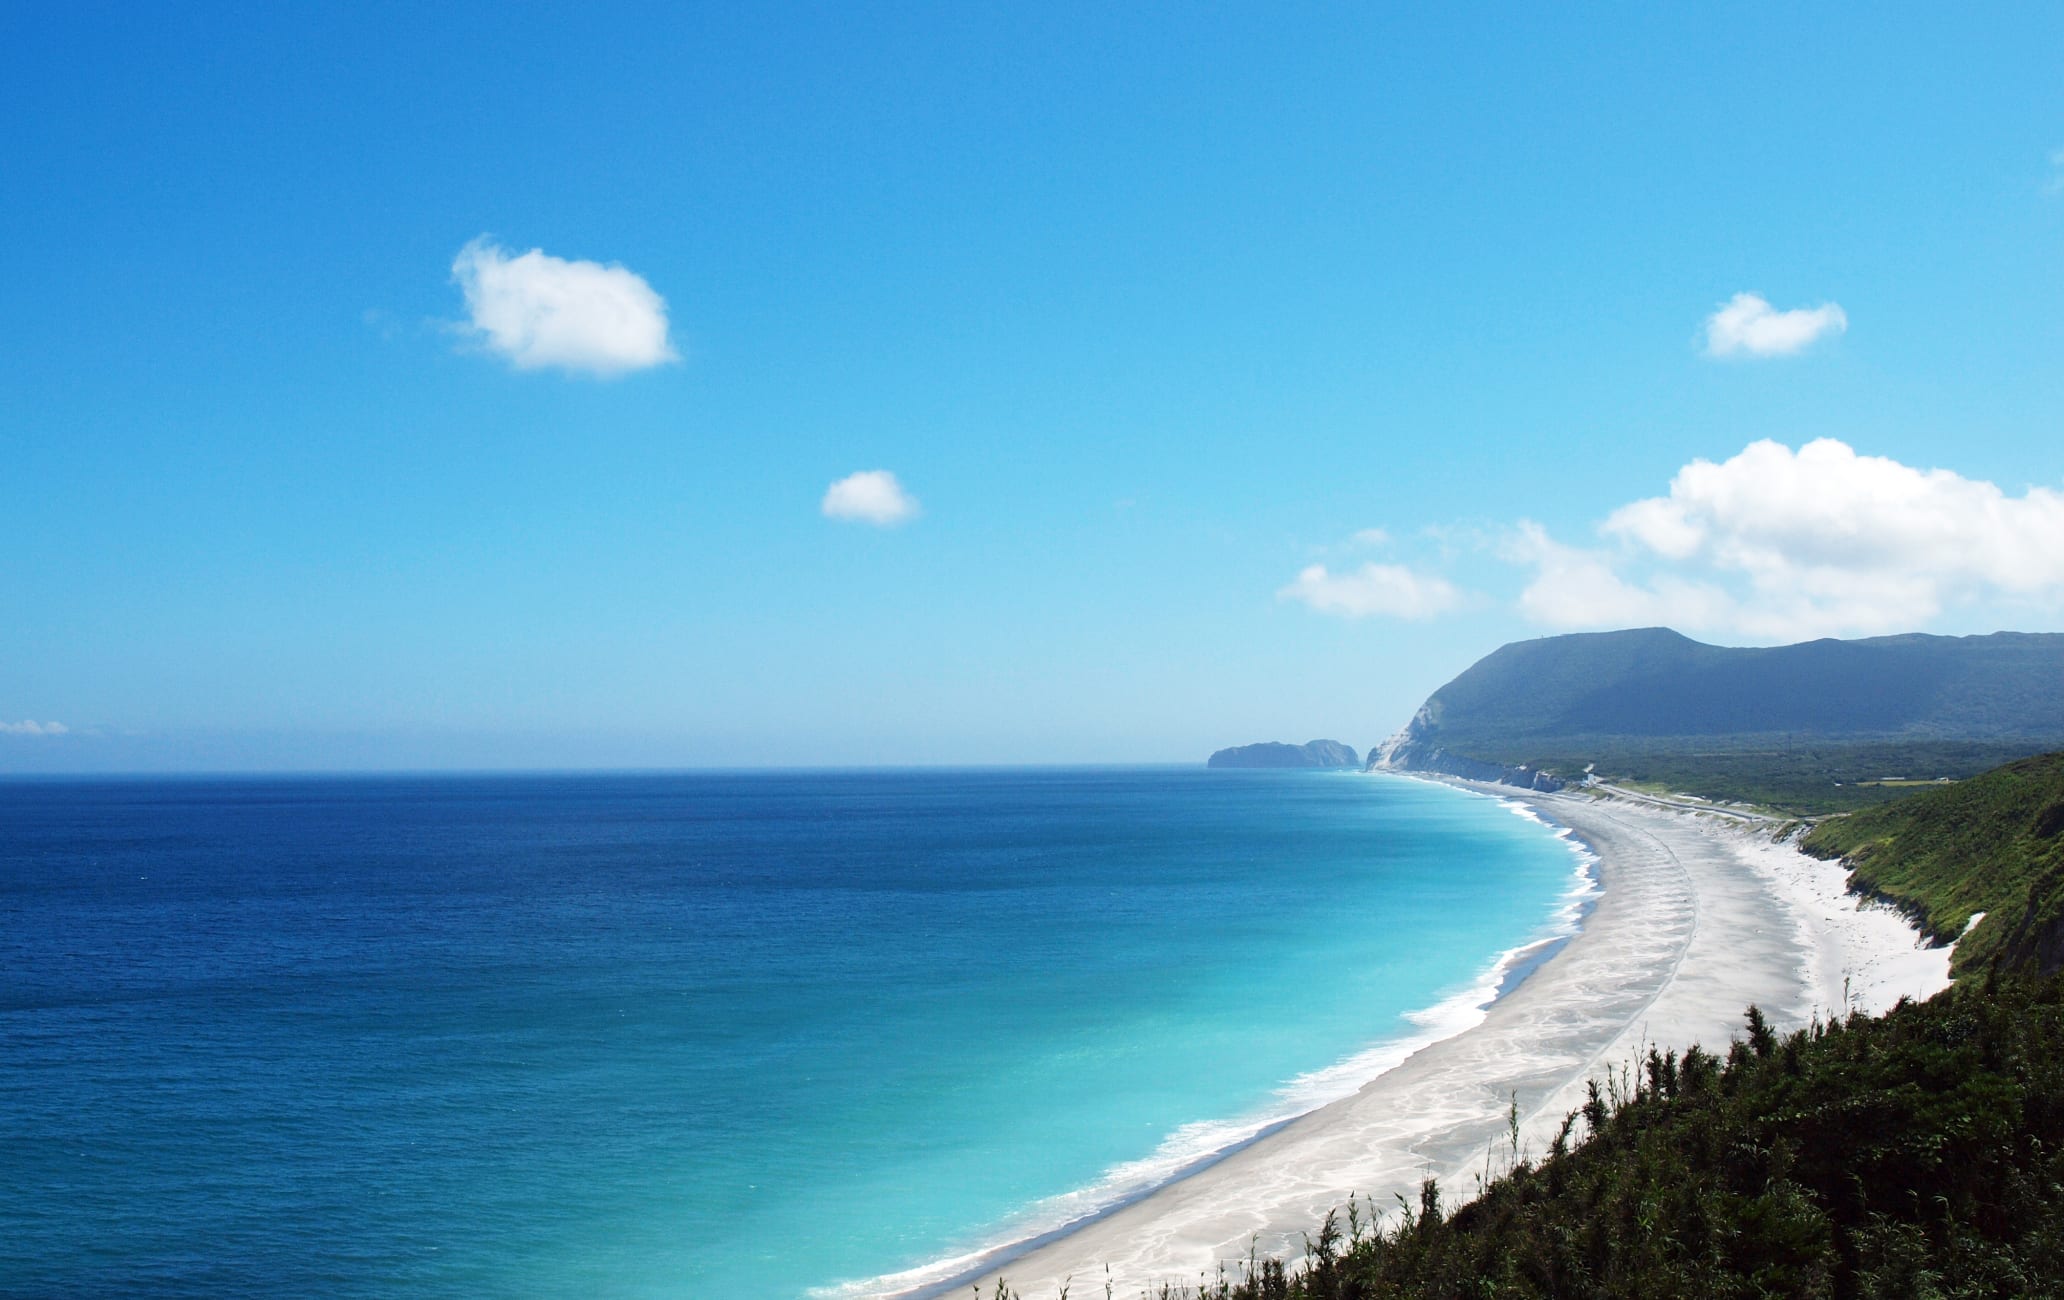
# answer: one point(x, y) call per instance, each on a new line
point(688, 1035)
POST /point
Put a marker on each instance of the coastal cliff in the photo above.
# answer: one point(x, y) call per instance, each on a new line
point(1401, 755)
point(1315, 753)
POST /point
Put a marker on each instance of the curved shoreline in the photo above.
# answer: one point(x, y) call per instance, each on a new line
point(1695, 920)
point(1061, 1217)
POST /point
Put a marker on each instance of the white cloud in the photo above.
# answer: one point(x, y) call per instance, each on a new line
point(2055, 183)
point(29, 728)
point(1574, 588)
point(537, 311)
point(1370, 537)
point(1779, 544)
point(1388, 589)
point(872, 496)
point(1747, 325)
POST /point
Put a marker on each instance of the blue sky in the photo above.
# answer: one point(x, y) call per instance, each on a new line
point(1232, 376)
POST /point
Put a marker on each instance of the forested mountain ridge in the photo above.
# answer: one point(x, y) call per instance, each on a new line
point(1790, 724)
point(1656, 682)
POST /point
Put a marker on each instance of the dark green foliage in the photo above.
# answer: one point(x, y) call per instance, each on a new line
point(1991, 844)
point(1919, 1154)
point(1653, 682)
point(1791, 774)
point(1809, 728)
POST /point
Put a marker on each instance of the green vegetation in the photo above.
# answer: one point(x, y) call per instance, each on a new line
point(1920, 1154)
point(1790, 774)
point(1808, 729)
point(1653, 683)
point(1993, 844)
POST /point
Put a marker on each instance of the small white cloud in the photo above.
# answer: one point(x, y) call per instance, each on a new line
point(872, 496)
point(1371, 537)
point(1388, 589)
point(29, 728)
point(1818, 542)
point(1749, 326)
point(537, 311)
point(2055, 183)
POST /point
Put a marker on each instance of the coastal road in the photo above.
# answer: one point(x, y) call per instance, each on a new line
point(1679, 803)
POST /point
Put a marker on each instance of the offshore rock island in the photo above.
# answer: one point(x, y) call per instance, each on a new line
point(1275, 753)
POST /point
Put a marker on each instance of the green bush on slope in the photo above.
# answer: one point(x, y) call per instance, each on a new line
point(1993, 844)
point(1920, 1154)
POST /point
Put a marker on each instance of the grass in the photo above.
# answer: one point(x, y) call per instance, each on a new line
point(1796, 777)
point(1993, 844)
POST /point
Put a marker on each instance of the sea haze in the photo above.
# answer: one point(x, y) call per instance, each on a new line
point(698, 1035)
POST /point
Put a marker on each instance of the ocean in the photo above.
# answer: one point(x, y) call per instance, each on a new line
point(751, 1034)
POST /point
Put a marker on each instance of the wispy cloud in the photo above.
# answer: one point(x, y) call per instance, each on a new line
point(1748, 326)
point(32, 728)
point(1390, 590)
point(872, 496)
point(536, 312)
point(1783, 544)
point(2054, 184)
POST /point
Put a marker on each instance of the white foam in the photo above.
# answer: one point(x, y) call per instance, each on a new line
point(1197, 1145)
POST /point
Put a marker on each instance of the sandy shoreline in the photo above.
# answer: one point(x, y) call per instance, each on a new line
point(1698, 917)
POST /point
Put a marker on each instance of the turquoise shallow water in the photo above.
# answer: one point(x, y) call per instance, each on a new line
point(689, 1035)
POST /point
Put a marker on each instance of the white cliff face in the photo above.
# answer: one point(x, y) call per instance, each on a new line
point(1390, 754)
point(1416, 748)
point(1385, 754)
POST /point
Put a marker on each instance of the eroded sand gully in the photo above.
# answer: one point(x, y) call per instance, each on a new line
point(1698, 918)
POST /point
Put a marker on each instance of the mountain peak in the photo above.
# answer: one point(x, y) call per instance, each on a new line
point(1651, 687)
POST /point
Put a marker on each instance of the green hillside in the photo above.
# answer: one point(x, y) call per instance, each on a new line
point(1993, 844)
point(1813, 727)
point(1655, 682)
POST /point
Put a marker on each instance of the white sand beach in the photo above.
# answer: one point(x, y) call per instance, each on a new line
point(1700, 915)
